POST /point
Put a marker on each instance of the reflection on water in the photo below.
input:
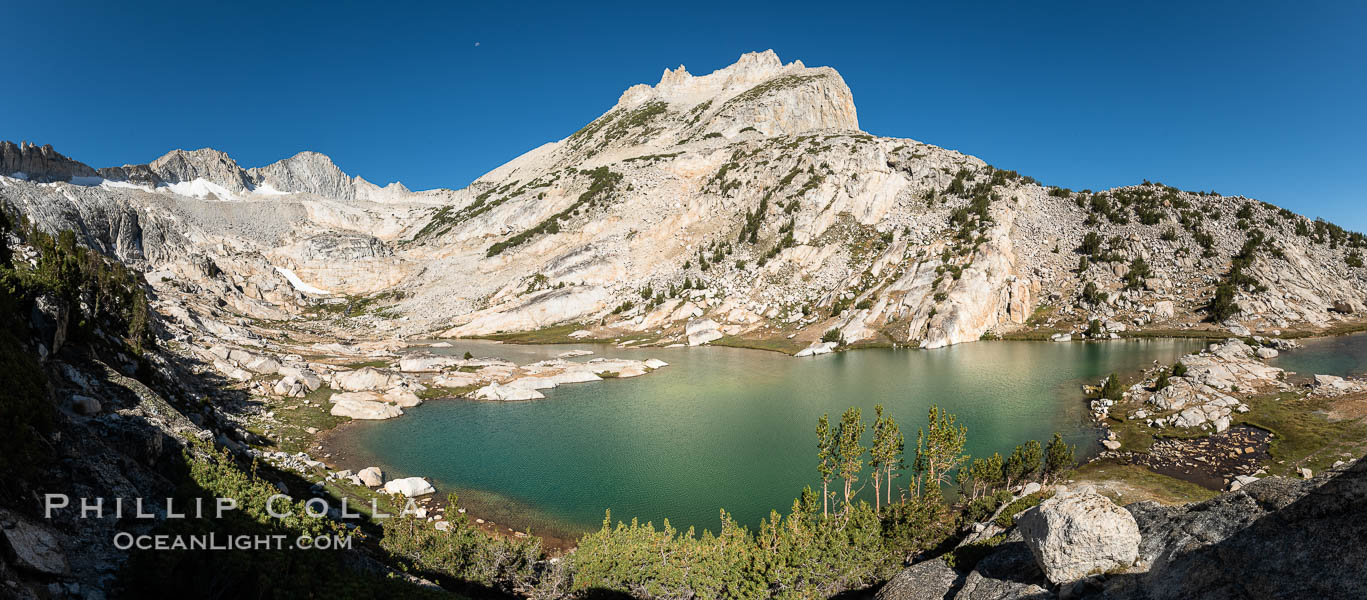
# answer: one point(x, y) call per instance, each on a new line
point(727, 428)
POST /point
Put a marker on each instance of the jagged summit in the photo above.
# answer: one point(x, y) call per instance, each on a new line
point(204, 172)
point(760, 91)
point(757, 95)
point(679, 85)
point(39, 163)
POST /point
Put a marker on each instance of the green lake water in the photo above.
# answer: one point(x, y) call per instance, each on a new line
point(723, 427)
point(1342, 356)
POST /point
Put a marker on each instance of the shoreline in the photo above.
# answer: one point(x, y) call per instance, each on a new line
point(333, 442)
point(539, 338)
point(341, 455)
point(340, 443)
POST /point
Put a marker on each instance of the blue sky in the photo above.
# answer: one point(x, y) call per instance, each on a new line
point(1251, 98)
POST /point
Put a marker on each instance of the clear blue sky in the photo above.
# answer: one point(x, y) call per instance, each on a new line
point(1261, 99)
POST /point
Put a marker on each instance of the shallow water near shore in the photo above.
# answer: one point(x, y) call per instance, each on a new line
point(724, 427)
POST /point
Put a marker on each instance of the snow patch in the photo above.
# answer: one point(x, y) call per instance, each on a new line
point(199, 188)
point(265, 189)
point(299, 283)
point(108, 183)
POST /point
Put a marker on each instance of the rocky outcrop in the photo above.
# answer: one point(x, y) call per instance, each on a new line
point(1272, 538)
point(411, 487)
point(207, 164)
point(39, 163)
point(306, 172)
point(32, 546)
point(365, 379)
point(363, 406)
point(1079, 533)
point(1205, 396)
point(371, 476)
point(702, 331)
point(920, 578)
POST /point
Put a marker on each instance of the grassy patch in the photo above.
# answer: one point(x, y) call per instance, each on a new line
point(1335, 330)
point(294, 418)
point(558, 334)
point(1212, 334)
point(379, 363)
point(1303, 434)
point(1132, 483)
point(780, 344)
point(436, 392)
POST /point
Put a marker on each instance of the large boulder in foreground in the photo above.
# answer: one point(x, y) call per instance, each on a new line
point(32, 546)
point(1079, 533)
point(921, 580)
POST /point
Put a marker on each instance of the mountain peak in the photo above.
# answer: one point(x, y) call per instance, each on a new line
point(680, 86)
point(756, 93)
point(181, 166)
point(307, 171)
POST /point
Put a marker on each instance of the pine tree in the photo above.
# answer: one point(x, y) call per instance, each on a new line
point(849, 450)
point(896, 445)
point(825, 456)
point(939, 449)
point(1058, 457)
point(876, 456)
point(1023, 462)
point(985, 474)
point(884, 456)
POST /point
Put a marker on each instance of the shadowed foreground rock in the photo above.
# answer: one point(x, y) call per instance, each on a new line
point(1273, 538)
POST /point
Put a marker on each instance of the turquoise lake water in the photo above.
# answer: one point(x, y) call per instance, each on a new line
point(1343, 355)
point(723, 427)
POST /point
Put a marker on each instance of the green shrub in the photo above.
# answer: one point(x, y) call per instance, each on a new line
point(979, 509)
point(1112, 389)
point(1091, 244)
point(1007, 517)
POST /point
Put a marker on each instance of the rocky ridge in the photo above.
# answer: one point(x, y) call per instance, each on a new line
point(747, 198)
point(1272, 538)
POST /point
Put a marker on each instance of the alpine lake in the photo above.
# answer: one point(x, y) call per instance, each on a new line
point(734, 429)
